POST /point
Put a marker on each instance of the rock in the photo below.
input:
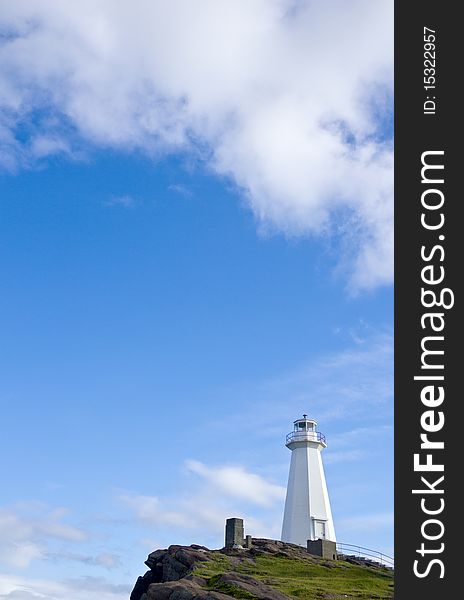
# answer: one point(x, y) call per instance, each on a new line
point(142, 584)
point(175, 562)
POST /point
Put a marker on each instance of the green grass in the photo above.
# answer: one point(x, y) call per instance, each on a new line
point(311, 579)
point(227, 588)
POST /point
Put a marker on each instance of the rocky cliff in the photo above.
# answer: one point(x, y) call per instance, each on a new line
point(269, 570)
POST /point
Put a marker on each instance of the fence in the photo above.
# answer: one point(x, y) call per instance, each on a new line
point(366, 553)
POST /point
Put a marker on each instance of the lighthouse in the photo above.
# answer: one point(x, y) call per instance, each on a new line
point(307, 514)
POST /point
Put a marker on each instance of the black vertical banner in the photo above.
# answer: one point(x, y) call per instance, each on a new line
point(429, 266)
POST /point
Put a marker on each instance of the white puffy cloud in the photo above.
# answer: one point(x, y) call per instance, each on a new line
point(237, 482)
point(289, 99)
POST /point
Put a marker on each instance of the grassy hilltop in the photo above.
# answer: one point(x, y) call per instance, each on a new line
point(270, 570)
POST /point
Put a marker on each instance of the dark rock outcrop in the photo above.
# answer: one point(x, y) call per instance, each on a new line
point(172, 574)
point(256, 573)
point(167, 566)
point(175, 562)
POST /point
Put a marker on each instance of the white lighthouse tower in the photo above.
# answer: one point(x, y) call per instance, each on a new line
point(307, 513)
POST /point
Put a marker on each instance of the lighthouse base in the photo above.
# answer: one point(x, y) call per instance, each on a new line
point(324, 548)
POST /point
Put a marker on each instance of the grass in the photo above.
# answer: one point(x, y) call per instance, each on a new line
point(311, 579)
point(227, 588)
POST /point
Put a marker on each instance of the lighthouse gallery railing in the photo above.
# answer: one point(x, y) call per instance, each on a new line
point(301, 436)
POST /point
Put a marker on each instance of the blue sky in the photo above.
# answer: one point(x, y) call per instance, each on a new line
point(186, 269)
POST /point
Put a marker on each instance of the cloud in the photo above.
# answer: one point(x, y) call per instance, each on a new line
point(235, 481)
point(82, 588)
point(124, 201)
point(153, 510)
point(26, 529)
point(180, 189)
point(343, 387)
point(107, 560)
point(265, 93)
point(358, 444)
point(202, 506)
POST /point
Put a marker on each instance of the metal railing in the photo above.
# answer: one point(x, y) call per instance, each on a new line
point(366, 553)
point(302, 436)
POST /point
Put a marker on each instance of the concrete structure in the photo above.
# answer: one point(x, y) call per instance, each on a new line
point(234, 533)
point(324, 548)
point(307, 513)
